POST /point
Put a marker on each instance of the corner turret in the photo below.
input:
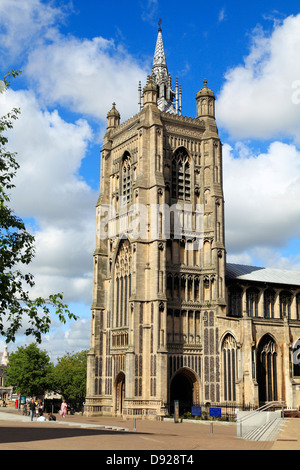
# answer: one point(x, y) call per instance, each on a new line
point(113, 118)
point(205, 102)
point(150, 92)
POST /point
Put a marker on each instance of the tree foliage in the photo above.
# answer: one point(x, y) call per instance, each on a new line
point(69, 377)
point(29, 371)
point(17, 249)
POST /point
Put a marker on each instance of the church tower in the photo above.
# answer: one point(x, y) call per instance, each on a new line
point(159, 262)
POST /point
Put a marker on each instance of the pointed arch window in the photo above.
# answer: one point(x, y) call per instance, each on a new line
point(285, 299)
point(252, 302)
point(126, 178)
point(122, 277)
point(267, 370)
point(235, 301)
point(181, 175)
point(269, 303)
point(229, 367)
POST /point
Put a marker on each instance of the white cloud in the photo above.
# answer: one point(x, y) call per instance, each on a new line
point(86, 75)
point(262, 195)
point(24, 24)
point(50, 191)
point(149, 10)
point(260, 100)
point(59, 341)
point(75, 338)
point(50, 152)
point(240, 258)
point(222, 15)
point(256, 100)
point(276, 259)
point(75, 74)
point(63, 263)
point(262, 192)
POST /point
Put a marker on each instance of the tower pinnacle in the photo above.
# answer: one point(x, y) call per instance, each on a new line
point(159, 61)
point(162, 79)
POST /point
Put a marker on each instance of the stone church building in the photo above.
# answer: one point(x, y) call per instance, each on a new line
point(5, 392)
point(171, 320)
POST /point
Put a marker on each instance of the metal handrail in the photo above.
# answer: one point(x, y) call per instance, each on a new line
point(255, 412)
point(271, 404)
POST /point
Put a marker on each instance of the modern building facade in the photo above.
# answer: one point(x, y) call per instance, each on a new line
point(170, 319)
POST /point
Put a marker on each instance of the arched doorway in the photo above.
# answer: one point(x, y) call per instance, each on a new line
point(119, 393)
point(185, 388)
point(267, 370)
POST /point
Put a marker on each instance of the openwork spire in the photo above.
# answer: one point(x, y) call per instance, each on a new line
point(159, 61)
point(168, 100)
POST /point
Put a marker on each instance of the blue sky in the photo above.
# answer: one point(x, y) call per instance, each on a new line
point(77, 57)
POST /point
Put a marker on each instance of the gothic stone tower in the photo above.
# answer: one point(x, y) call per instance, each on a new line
point(159, 263)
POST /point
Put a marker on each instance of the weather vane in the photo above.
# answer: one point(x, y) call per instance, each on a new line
point(159, 24)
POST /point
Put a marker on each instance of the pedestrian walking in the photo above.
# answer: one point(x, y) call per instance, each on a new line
point(40, 407)
point(63, 408)
point(32, 407)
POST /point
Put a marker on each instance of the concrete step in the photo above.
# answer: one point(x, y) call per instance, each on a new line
point(266, 432)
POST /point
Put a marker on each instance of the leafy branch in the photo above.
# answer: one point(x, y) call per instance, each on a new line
point(17, 249)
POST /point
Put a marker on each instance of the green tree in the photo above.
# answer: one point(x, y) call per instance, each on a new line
point(69, 378)
point(29, 371)
point(16, 250)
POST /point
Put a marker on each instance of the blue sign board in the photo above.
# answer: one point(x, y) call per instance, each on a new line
point(215, 412)
point(196, 411)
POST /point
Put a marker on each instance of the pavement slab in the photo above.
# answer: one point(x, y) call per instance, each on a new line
point(115, 436)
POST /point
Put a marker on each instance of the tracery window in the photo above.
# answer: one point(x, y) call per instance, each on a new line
point(235, 301)
point(181, 175)
point(122, 284)
point(269, 303)
point(252, 302)
point(126, 179)
point(285, 298)
point(229, 368)
point(267, 370)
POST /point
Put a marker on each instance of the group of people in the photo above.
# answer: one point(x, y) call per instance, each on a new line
point(37, 407)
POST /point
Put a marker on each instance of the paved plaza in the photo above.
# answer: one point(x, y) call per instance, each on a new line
point(76, 432)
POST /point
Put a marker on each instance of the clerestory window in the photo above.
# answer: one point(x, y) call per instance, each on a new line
point(235, 301)
point(252, 302)
point(269, 303)
point(285, 299)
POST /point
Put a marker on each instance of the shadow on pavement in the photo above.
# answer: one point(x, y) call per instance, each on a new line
point(24, 434)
